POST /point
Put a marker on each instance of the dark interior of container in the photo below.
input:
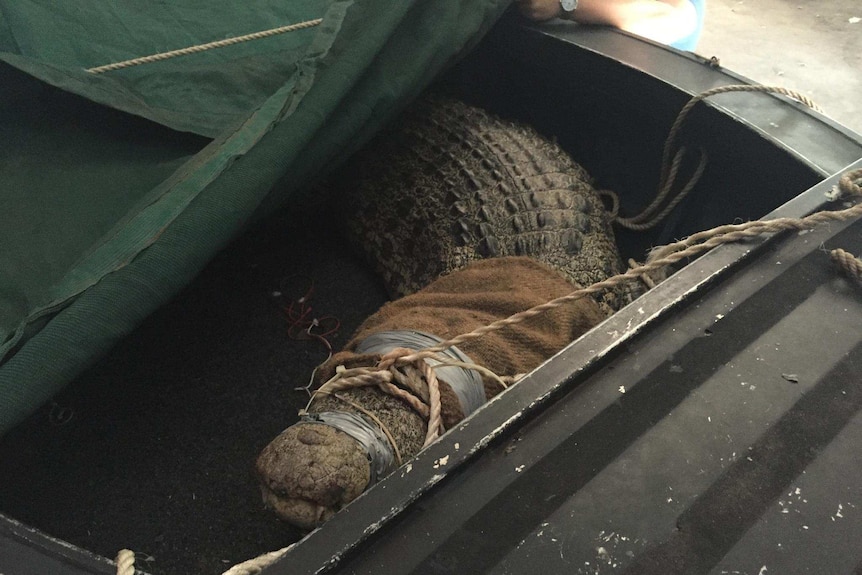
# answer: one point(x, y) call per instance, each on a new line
point(152, 448)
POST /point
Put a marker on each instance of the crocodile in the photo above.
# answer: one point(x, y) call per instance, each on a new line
point(339, 447)
point(452, 183)
point(468, 218)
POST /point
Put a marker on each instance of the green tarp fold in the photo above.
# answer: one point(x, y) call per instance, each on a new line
point(117, 188)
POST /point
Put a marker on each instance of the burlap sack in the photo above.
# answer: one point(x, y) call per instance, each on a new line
point(311, 470)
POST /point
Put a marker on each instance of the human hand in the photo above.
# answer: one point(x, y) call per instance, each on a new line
point(540, 9)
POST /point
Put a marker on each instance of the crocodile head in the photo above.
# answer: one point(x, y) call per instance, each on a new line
point(310, 471)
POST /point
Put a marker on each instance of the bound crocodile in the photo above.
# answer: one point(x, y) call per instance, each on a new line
point(451, 184)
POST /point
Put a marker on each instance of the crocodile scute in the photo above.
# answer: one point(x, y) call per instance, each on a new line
point(451, 183)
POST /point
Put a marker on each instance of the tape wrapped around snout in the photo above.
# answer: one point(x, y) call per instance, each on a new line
point(466, 383)
point(369, 435)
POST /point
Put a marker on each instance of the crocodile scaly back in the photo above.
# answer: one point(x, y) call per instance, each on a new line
point(451, 183)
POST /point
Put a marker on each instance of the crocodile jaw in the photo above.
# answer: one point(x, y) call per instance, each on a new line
point(310, 471)
point(302, 513)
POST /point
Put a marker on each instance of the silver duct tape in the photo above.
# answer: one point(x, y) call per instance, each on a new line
point(368, 434)
point(466, 383)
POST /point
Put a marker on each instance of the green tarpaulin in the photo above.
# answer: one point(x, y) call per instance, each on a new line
point(118, 187)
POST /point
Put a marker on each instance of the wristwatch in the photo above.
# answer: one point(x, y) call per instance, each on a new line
point(569, 6)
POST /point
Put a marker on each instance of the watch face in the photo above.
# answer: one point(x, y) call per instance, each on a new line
point(569, 5)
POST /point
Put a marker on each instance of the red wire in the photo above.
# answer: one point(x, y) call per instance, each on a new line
point(303, 325)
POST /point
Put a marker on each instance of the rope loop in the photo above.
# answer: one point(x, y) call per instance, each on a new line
point(404, 373)
point(654, 213)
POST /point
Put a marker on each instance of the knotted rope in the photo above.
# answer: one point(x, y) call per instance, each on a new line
point(419, 387)
point(203, 47)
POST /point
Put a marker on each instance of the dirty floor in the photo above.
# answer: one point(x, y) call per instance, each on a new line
point(812, 47)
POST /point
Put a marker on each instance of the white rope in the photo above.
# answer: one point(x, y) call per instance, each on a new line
point(258, 564)
point(125, 562)
point(203, 47)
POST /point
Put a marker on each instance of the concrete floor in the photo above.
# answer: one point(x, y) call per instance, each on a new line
point(811, 47)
